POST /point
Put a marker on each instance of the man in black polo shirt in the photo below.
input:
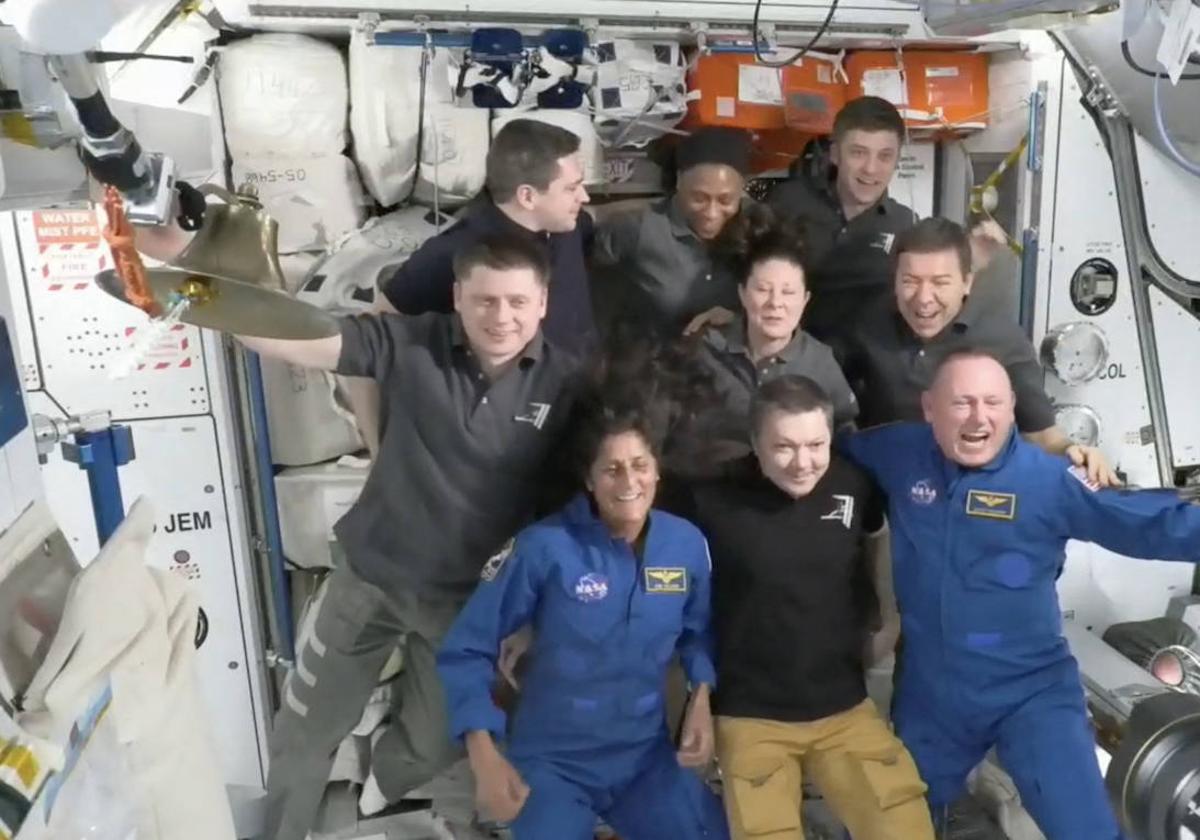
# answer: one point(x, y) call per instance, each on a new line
point(475, 405)
point(793, 604)
point(848, 220)
point(536, 194)
point(898, 343)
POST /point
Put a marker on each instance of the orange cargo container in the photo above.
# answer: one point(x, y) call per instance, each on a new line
point(735, 90)
point(934, 89)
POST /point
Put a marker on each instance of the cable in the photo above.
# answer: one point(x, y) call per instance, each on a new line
point(803, 50)
point(1154, 74)
point(1188, 164)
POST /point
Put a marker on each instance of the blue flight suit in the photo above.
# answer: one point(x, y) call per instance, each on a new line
point(975, 556)
point(589, 734)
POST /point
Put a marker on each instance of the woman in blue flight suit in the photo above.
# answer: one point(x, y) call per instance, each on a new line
point(613, 589)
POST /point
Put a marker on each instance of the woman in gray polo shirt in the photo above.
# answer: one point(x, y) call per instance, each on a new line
point(658, 266)
point(763, 343)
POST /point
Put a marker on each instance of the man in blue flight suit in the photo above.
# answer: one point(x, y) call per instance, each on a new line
point(979, 521)
point(612, 590)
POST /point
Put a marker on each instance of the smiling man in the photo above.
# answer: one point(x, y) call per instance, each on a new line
point(796, 535)
point(475, 405)
point(979, 523)
point(850, 224)
point(898, 343)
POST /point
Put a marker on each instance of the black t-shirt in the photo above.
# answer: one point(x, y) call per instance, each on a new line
point(793, 599)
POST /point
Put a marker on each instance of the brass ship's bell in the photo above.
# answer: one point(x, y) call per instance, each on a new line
point(230, 276)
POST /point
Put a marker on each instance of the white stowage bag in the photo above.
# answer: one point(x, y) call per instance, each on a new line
point(455, 137)
point(306, 421)
point(315, 200)
point(578, 122)
point(630, 75)
point(311, 501)
point(132, 629)
point(346, 280)
point(385, 97)
point(283, 94)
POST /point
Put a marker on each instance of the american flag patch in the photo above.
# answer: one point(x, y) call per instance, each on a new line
point(1080, 475)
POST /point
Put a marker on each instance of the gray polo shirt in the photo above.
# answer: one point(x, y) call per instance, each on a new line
point(889, 366)
point(460, 458)
point(721, 434)
point(651, 268)
point(737, 377)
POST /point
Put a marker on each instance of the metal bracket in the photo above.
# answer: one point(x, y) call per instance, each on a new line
point(274, 660)
point(1098, 95)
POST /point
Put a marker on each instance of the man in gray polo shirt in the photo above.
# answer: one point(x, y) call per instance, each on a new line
point(896, 346)
point(475, 404)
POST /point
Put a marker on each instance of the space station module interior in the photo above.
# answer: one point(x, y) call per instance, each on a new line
point(167, 498)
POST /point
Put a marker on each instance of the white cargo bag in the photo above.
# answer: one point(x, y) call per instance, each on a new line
point(346, 280)
point(283, 94)
point(640, 91)
point(315, 200)
point(385, 98)
point(306, 422)
point(311, 501)
point(455, 137)
point(578, 123)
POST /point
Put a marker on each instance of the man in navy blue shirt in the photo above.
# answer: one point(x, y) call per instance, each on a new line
point(535, 191)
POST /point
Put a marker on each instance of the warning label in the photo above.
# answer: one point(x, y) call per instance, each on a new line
point(173, 349)
point(66, 227)
point(70, 250)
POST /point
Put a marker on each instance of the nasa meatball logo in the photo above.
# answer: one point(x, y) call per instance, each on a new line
point(923, 493)
point(591, 587)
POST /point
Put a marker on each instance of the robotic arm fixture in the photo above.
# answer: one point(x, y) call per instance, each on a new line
point(112, 155)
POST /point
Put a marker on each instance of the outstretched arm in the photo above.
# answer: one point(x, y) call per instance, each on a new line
point(1148, 524)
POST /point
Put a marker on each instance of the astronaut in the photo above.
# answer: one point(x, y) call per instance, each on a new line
point(979, 520)
point(614, 590)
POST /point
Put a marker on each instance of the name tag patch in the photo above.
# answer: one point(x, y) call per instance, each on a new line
point(665, 580)
point(991, 505)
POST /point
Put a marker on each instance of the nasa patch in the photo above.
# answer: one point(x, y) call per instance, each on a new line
point(923, 492)
point(591, 587)
point(496, 562)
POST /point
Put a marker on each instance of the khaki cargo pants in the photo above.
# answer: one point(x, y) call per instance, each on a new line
point(865, 774)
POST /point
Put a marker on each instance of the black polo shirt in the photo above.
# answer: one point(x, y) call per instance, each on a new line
point(850, 261)
point(793, 598)
point(651, 269)
point(461, 457)
point(889, 367)
point(425, 281)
